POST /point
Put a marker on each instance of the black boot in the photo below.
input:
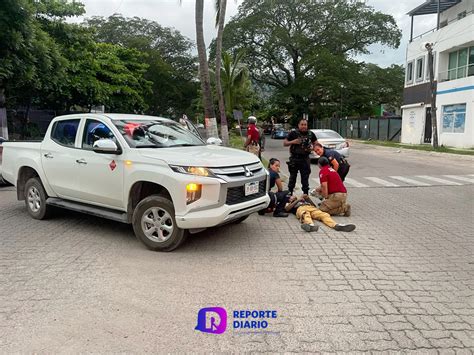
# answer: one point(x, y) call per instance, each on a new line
point(344, 227)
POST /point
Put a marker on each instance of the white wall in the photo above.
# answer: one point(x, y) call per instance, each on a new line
point(452, 13)
point(456, 35)
point(461, 140)
point(413, 124)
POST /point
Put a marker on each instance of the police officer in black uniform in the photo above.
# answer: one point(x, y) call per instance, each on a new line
point(301, 142)
point(336, 160)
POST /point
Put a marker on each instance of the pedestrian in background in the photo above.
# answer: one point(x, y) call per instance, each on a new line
point(336, 160)
point(301, 143)
point(253, 137)
point(332, 189)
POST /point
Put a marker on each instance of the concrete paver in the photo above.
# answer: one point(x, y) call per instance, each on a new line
point(402, 281)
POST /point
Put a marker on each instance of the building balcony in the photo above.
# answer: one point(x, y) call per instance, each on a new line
point(455, 74)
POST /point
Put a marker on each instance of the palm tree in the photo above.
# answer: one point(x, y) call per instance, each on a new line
point(204, 71)
point(234, 76)
point(220, 18)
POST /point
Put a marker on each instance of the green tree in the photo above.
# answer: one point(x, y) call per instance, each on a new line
point(31, 63)
point(171, 65)
point(235, 82)
point(300, 48)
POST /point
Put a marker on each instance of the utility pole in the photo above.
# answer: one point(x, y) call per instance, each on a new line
point(434, 122)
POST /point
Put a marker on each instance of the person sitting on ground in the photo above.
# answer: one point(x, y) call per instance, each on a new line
point(333, 191)
point(278, 199)
point(336, 160)
point(306, 212)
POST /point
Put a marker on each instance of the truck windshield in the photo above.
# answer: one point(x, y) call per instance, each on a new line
point(156, 134)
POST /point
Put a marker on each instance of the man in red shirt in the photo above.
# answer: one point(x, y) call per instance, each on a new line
point(333, 190)
point(253, 136)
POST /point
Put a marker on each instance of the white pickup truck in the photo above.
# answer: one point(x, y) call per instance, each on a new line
point(148, 171)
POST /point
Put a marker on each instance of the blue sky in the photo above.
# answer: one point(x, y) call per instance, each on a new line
point(171, 14)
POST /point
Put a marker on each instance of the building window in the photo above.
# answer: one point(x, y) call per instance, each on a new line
point(409, 77)
point(419, 68)
point(454, 117)
point(461, 63)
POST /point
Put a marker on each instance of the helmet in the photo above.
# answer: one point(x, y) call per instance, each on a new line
point(252, 119)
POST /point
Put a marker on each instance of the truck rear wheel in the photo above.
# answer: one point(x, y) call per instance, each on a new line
point(35, 199)
point(155, 225)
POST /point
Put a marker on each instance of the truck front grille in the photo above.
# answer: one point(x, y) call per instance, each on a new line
point(237, 172)
point(237, 194)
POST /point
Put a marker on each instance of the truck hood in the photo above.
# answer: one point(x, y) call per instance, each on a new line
point(207, 156)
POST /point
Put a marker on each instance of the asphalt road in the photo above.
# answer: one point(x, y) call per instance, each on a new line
point(403, 281)
point(372, 160)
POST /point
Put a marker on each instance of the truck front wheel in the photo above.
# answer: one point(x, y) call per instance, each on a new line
point(155, 226)
point(35, 199)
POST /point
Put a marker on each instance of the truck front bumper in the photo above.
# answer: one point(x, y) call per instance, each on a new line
point(221, 215)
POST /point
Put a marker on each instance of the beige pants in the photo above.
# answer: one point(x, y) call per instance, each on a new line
point(254, 149)
point(306, 214)
point(335, 204)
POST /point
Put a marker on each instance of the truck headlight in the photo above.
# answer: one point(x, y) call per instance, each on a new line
point(192, 170)
point(193, 192)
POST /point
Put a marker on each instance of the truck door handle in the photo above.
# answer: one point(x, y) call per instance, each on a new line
point(81, 161)
point(48, 155)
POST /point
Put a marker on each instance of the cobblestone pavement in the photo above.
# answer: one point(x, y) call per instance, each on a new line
point(402, 281)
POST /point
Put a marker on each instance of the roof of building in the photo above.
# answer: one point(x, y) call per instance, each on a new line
point(431, 7)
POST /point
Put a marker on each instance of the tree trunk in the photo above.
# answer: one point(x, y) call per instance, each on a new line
point(209, 114)
point(220, 31)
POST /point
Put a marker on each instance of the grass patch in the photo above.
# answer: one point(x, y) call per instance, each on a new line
point(427, 148)
point(236, 141)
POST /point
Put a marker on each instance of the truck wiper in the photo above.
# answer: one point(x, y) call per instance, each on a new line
point(148, 146)
point(184, 145)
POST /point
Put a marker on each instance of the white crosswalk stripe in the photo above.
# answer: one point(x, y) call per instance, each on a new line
point(410, 181)
point(406, 181)
point(382, 181)
point(438, 180)
point(460, 178)
point(353, 183)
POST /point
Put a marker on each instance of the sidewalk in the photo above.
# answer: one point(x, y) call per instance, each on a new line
point(458, 152)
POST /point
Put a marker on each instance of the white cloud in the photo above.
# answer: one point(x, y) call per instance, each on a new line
point(171, 13)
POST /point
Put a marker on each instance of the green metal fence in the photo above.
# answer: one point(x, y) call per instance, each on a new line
point(373, 128)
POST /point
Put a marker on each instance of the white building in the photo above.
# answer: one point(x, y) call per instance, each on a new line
point(453, 49)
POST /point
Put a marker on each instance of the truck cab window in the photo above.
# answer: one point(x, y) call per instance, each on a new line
point(94, 131)
point(64, 132)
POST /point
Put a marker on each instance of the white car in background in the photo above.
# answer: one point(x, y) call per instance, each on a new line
point(330, 139)
point(2, 182)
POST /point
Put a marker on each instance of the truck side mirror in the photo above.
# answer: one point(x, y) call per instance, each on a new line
point(106, 146)
point(214, 141)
